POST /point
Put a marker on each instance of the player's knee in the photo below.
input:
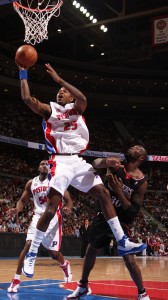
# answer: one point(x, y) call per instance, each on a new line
point(50, 211)
point(100, 192)
point(53, 195)
point(104, 194)
point(50, 214)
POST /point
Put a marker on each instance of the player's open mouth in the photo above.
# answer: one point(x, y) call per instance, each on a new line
point(59, 98)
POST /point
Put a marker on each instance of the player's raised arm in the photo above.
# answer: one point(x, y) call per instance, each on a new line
point(79, 97)
point(33, 103)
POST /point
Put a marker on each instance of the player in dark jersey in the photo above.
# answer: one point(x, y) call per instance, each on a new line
point(127, 186)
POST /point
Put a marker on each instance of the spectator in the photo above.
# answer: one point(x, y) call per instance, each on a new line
point(84, 231)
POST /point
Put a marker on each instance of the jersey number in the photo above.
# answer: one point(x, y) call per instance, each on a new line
point(43, 199)
point(72, 126)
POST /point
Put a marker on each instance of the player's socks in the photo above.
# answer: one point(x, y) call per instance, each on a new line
point(116, 228)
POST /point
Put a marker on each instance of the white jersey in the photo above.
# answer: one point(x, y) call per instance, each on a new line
point(65, 131)
point(53, 236)
point(39, 191)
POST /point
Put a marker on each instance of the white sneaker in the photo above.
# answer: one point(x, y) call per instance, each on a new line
point(143, 296)
point(67, 272)
point(125, 247)
point(15, 284)
point(28, 267)
point(13, 296)
point(81, 291)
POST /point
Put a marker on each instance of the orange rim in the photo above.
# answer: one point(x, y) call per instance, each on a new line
point(18, 5)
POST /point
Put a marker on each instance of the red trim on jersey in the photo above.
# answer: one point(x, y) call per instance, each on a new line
point(84, 119)
point(59, 225)
point(84, 149)
point(52, 164)
point(87, 144)
point(128, 176)
point(49, 137)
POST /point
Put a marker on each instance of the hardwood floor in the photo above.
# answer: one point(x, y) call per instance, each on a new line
point(108, 268)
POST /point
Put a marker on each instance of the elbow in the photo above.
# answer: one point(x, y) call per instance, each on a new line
point(84, 99)
point(81, 105)
point(83, 102)
point(26, 99)
point(94, 164)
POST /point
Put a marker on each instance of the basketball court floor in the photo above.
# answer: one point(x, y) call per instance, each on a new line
point(108, 280)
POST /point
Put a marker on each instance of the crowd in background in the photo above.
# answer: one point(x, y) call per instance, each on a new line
point(110, 131)
point(145, 228)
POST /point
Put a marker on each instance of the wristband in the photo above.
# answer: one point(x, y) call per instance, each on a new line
point(23, 74)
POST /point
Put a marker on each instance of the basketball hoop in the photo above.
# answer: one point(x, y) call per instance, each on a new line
point(35, 16)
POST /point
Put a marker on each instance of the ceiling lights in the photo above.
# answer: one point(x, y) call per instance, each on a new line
point(88, 15)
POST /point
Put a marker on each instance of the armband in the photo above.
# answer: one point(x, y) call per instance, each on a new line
point(132, 211)
point(23, 74)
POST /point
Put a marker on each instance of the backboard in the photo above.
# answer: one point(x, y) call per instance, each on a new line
point(2, 2)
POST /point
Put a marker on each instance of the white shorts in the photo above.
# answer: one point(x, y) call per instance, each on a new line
point(71, 170)
point(53, 236)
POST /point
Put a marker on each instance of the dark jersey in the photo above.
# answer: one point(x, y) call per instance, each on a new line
point(130, 185)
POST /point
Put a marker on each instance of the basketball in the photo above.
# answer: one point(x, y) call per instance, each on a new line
point(26, 56)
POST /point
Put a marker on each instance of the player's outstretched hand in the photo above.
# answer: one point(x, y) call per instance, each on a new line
point(20, 67)
point(53, 73)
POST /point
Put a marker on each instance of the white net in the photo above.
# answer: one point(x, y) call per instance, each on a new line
point(36, 18)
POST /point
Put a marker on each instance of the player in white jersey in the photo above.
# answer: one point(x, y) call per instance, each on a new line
point(65, 120)
point(36, 189)
point(67, 136)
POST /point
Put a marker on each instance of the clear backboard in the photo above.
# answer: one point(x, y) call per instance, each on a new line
point(2, 2)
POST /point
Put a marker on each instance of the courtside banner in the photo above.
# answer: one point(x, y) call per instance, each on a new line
point(32, 145)
point(160, 30)
point(156, 158)
point(10, 140)
point(36, 146)
point(161, 158)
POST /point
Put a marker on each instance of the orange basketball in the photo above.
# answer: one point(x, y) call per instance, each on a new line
point(26, 56)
